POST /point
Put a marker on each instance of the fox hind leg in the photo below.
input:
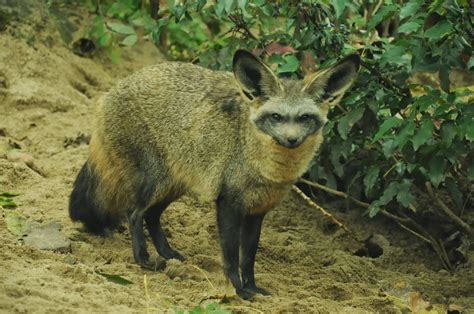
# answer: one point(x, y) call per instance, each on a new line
point(140, 252)
point(152, 220)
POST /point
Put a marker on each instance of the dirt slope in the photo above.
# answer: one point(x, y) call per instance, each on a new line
point(47, 98)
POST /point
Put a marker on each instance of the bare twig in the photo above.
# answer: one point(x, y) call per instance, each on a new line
point(324, 212)
point(447, 211)
point(334, 192)
point(414, 233)
point(465, 204)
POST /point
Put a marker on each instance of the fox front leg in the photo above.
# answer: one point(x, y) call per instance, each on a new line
point(229, 220)
point(249, 238)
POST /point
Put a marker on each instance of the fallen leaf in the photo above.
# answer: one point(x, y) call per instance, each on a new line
point(16, 222)
point(115, 279)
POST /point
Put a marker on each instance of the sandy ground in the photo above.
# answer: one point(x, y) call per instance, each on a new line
point(47, 98)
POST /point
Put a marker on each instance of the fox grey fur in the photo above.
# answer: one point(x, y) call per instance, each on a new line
point(240, 140)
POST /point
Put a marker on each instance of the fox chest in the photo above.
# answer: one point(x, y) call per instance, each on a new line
point(259, 199)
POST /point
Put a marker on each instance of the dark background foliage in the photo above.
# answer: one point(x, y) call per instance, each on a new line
point(401, 142)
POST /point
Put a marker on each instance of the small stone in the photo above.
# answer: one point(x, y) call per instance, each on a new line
point(380, 240)
point(71, 260)
point(17, 156)
point(177, 270)
point(47, 237)
point(443, 272)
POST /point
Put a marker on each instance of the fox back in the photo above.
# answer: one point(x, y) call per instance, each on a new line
point(177, 128)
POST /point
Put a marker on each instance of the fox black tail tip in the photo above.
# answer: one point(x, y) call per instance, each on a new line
point(83, 206)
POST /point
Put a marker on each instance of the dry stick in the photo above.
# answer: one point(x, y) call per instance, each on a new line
point(465, 204)
point(401, 221)
point(324, 212)
point(437, 245)
point(334, 192)
point(451, 215)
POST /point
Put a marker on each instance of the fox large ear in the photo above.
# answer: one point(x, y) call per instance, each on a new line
point(329, 85)
point(254, 77)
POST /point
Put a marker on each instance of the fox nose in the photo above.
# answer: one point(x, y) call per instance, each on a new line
point(292, 140)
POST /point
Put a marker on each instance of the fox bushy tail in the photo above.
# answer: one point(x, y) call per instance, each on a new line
point(83, 204)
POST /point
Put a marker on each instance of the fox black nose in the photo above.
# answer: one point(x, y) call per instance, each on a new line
point(292, 140)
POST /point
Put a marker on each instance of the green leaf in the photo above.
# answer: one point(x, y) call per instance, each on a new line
point(220, 7)
point(393, 54)
point(115, 278)
point(346, 123)
point(425, 132)
point(425, 102)
point(470, 172)
point(439, 30)
point(387, 196)
point(339, 6)
point(470, 63)
point(444, 77)
point(381, 15)
point(200, 4)
point(121, 28)
point(389, 193)
point(9, 194)
point(448, 132)
point(15, 222)
point(149, 24)
point(404, 195)
point(371, 178)
point(387, 125)
point(410, 8)
point(409, 27)
point(374, 209)
point(389, 147)
point(335, 156)
point(130, 40)
point(114, 54)
point(405, 133)
point(228, 5)
point(105, 40)
point(454, 192)
point(437, 165)
point(290, 64)
point(7, 202)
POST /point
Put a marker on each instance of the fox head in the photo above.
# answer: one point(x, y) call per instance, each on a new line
point(290, 110)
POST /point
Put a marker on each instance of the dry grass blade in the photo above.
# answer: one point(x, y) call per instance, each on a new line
point(205, 276)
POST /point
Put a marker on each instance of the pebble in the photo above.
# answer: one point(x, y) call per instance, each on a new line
point(47, 237)
point(17, 156)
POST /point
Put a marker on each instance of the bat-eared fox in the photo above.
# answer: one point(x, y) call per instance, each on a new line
point(240, 140)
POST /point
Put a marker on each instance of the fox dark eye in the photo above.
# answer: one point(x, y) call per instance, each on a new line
point(277, 117)
point(304, 117)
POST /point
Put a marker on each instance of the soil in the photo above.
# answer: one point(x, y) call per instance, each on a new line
point(47, 100)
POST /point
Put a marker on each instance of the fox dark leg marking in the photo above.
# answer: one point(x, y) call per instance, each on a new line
point(152, 219)
point(140, 252)
point(229, 219)
point(249, 238)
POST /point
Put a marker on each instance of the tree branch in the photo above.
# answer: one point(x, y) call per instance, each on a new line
point(330, 217)
point(402, 221)
point(447, 211)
